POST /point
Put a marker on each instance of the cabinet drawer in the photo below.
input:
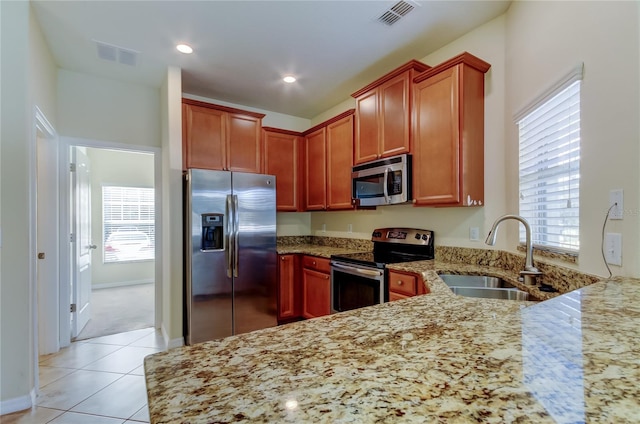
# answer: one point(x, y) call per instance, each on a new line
point(403, 283)
point(317, 263)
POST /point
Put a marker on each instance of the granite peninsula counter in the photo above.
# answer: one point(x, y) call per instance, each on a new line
point(431, 358)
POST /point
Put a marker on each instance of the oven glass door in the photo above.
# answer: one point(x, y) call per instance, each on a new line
point(356, 287)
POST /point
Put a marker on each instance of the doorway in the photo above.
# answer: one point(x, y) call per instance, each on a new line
point(122, 239)
point(122, 228)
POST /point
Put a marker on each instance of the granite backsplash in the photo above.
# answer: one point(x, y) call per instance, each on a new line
point(562, 278)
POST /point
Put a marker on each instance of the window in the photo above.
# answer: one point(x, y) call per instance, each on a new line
point(128, 222)
point(549, 177)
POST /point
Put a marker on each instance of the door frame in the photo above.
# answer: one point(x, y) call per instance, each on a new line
point(40, 125)
point(65, 225)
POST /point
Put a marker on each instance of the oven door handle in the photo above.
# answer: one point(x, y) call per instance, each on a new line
point(358, 271)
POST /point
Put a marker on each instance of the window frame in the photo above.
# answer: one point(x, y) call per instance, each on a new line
point(570, 78)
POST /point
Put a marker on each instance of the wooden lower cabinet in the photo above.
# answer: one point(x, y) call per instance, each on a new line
point(316, 287)
point(289, 290)
point(403, 285)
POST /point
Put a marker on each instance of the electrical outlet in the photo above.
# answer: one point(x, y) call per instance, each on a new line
point(616, 198)
point(613, 248)
point(350, 228)
point(474, 234)
point(324, 228)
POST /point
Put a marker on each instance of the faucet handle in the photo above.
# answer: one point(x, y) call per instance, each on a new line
point(528, 276)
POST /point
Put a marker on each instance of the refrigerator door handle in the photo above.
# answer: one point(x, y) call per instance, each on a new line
point(228, 235)
point(236, 231)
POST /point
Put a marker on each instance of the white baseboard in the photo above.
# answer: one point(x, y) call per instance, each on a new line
point(18, 404)
point(170, 344)
point(120, 284)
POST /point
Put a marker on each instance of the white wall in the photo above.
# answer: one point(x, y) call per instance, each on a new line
point(544, 41)
point(28, 73)
point(128, 169)
point(98, 108)
point(170, 268)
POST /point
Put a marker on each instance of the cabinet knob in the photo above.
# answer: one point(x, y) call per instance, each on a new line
point(314, 262)
point(400, 282)
point(415, 200)
point(326, 277)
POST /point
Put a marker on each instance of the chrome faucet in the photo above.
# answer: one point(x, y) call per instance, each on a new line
point(530, 272)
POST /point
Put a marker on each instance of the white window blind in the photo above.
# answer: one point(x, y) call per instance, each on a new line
point(549, 178)
point(128, 223)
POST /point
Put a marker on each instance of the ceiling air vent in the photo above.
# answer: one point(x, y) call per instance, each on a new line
point(116, 54)
point(395, 12)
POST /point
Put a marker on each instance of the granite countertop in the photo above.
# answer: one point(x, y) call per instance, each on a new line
point(431, 358)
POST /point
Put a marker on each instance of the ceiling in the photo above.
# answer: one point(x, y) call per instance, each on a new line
point(242, 49)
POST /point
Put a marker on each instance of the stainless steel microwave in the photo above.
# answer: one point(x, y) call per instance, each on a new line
point(382, 182)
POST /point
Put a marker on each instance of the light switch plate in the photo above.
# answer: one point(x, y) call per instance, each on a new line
point(474, 233)
point(613, 248)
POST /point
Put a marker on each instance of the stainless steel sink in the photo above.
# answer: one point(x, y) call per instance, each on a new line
point(483, 286)
point(452, 280)
point(490, 293)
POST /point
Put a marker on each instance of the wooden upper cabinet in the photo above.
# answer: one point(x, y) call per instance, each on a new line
point(328, 163)
point(221, 138)
point(366, 143)
point(383, 114)
point(283, 158)
point(244, 143)
point(449, 133)
point(315, 176)
point(339, 163)
point(205, 138)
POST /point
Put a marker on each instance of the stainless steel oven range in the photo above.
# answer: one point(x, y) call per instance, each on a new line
point(361, 279)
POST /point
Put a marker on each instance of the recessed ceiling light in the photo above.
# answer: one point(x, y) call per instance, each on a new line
point(183, 48)
point(289, 79)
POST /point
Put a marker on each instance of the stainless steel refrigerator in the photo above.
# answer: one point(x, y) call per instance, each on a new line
point(230, 253)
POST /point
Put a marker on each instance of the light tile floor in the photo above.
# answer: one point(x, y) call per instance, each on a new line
point(94, 381)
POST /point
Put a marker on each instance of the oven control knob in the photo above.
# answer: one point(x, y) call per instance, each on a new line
point(417, 236)
point(425, 237)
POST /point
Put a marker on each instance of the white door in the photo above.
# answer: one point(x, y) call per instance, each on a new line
point(83, 245)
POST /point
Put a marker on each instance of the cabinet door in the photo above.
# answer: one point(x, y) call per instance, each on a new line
point(339, 163)
point(316, 293)
point(205, 138)
point(367, 135)
point(395, 116)
point(244, 143)
point(315, 170)
point(283, 158)
point(436, 167)
point(288, 290)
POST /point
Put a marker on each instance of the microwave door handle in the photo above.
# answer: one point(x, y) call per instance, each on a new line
point(385, 185)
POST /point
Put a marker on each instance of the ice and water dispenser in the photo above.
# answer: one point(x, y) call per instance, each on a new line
point(212, 232)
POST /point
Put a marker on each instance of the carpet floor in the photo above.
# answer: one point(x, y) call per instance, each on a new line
point(120, 309)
